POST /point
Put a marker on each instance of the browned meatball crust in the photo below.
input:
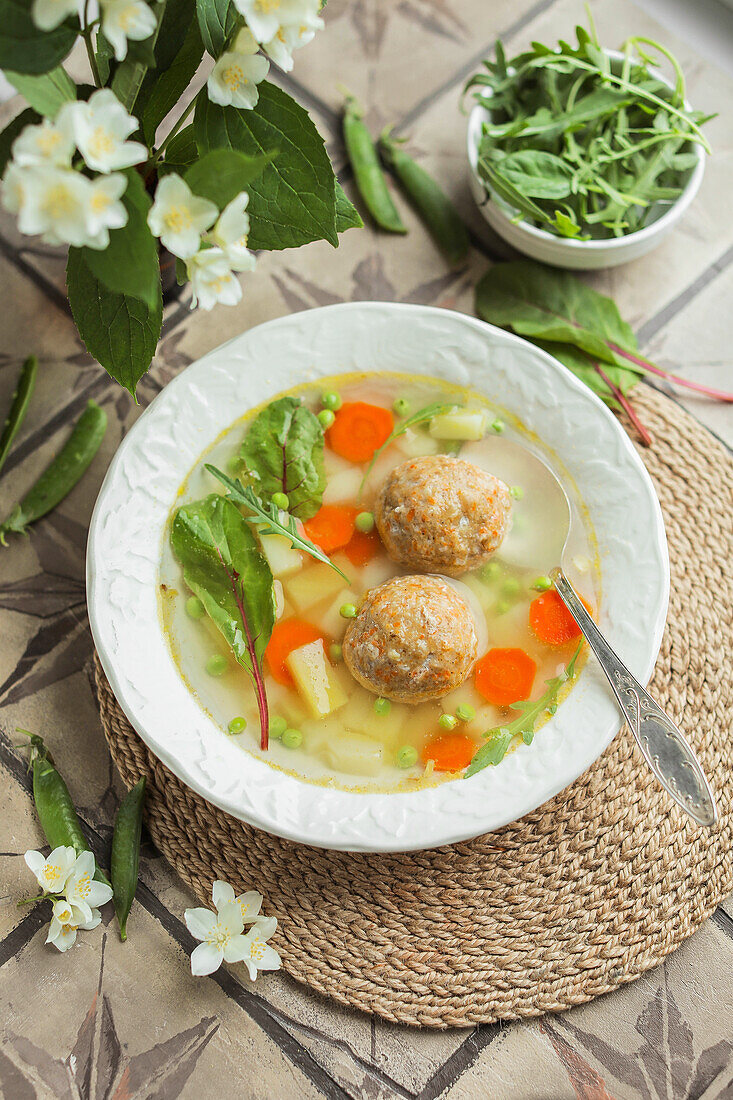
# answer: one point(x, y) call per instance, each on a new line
point(442, 514)
point(413, 639)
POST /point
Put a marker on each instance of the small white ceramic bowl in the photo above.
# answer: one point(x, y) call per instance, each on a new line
point(580, 437)
point(564, 251)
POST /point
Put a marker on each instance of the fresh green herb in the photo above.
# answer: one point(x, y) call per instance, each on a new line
point(125, 859)
point(368, 173)
point(429, 200)
point(500, 738)
point(580, 144)
point(61, 476)
point(283, 452)
point(18, 406)
point(223, 566)
point(420, 417)
point(245, 497)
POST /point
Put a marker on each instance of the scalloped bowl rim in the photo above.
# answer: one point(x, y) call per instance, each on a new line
point(139, 489)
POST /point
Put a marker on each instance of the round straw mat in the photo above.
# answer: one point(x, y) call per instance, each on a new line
point(582, 895)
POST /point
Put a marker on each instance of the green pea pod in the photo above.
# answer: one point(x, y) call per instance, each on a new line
point(126, 853)
point(429, 200)
point(61, 476)
point(59, 819)
point(370, 178)
point(19, 406)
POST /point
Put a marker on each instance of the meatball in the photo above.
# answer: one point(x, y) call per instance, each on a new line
point(413, 639)
point(441, 514)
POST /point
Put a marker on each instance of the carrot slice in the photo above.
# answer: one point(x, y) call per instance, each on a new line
point(359, 429)
point(551, 622)
point(287, 635)
point(332, 526)
point(450, 752)
point(362, 547)
point(505, 676)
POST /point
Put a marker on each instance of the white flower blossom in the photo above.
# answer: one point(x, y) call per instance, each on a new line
point(82, 891)
point(55, 203)
point(49, 14)
point(179, 217)
point(47, 143)
point(266, 17)
point(53, 872)
point(230, 233)
point(249, 903)
point(123, 20)
point(233, 80)
point(100, 127)
point(221, 933)
point(105, 211)
point(67, 919)
point(290, 37)
point(260, 956)
point(14, 187)
point(212, 279)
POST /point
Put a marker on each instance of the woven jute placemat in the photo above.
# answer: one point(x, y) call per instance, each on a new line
point(582, 895)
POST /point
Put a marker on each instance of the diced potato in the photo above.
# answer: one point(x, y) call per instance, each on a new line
point(314, 678)
point(359, 715)
point(461, 424)
point(354, 753)
point(377, 571)
point(330, 620)
point(312, 586)
point(343, 487)
point(413, 444)
point(282, 558)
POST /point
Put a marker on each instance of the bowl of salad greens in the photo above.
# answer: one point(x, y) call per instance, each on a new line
point(580, 156)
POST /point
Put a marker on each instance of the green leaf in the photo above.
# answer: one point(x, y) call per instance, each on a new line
point(26, 49)
point(119, 330)
point(347, 216)
point(46, 93)
point(217, 20)
point(28, 117)
point(180, 153)
point(584, 368)
point(223, 566)
point(284, 450)
point(221, 174)
point(129, 265)
point(537, 174)
point(493, 752)
point(553, 305)
point(294, 200)
point(130, 73)
point(105, 56)
point(168, 84)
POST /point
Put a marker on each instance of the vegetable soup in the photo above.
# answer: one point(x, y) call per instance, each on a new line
point(353, 588)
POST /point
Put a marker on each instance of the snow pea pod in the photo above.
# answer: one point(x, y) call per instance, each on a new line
point(370, 178)
point(19, 406)
point(61, 476)
point(429, 200)
point(126, 853)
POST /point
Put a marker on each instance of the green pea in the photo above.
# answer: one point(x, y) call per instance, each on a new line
point(331, 400)
point(278, 725)
point(490, 571)
point(465, 712)
point(237, 725)
point(510, 587)
point(364, 522)
point(401, 406)
point(217, 665)
point(541, 584)
point(292, 738)
point(348, 611)
point(326, 418)
point(382, 707)
point(335, 652)
point(501, 607)
point(517, 492)
point(498, 426)
point(194, 608)
point(447, 721)
point(406, 757)
point(368, 173)
point(280, 500)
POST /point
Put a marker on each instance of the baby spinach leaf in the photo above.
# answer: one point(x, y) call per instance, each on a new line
point(223, 566)
point(284, 450)
point(537, 174)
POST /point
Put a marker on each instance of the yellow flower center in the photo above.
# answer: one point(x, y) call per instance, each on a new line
point(100, 201)
point(257, 950)
point(219, 936)
point(83, 885)
point(101, 142)
point(65, 917)
point(267, 6)
point(126, 17)
point(52, 871)
point(48, 141)
point(233, 77)
point(178, 218)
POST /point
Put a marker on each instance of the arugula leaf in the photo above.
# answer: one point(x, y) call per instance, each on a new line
point(536, 174)
point(223, 566)
point(269, 515)
point(501, 737)
point(437, 408)
point(46, 93)
point(284, 449)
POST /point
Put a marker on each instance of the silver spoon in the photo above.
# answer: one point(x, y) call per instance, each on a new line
point(662, 744)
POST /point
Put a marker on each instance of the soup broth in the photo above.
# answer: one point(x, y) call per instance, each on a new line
point(352, 737)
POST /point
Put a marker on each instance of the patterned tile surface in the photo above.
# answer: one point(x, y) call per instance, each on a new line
point(114, 1019)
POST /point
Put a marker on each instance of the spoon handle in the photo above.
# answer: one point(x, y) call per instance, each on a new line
point(665, 749)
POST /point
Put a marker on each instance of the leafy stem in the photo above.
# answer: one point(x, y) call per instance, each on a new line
point(86, 32)
point(426, 413)
point(269, 515)
point(256, 670)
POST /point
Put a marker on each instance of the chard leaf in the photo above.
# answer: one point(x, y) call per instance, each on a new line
point(223, 566)
point(284, 449)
